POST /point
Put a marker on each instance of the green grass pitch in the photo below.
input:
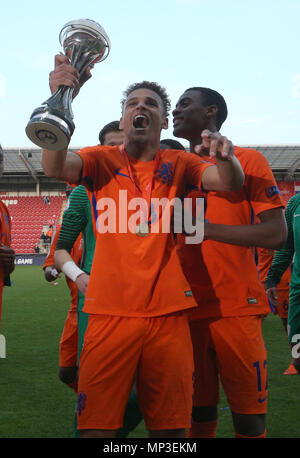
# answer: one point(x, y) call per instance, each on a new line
point(35, 404)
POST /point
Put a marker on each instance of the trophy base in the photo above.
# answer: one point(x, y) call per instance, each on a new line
point(48, 130)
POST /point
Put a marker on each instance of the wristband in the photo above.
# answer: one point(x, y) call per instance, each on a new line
point(71, 270)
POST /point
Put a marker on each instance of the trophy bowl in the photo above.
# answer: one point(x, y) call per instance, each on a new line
point(51, 125)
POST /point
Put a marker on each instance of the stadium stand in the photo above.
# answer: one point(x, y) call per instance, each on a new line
point(30, 217)
point(24, 186)
point(35, 202)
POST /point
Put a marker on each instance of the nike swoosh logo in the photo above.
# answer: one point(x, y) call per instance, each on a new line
point(121, 174)
point(298, 214)
point(262, 399)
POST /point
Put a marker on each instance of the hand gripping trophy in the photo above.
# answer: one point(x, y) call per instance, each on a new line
point(85, 43)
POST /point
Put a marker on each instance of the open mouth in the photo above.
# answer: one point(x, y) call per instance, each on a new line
point(140, 122)
point(176, 121)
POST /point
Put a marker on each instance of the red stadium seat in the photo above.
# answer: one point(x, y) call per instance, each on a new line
point(30, 214)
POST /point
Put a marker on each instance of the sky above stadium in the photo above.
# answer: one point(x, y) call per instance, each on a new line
point(248, 50)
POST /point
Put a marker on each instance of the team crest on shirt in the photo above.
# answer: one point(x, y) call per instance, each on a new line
point(81, 400)
point(165, 173)
point(272, 191)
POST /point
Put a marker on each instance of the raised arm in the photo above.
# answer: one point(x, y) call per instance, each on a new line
point(63, 165)
point(228, 174)
point(262, 194)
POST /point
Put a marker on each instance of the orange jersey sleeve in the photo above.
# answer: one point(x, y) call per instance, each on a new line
point(260, 185)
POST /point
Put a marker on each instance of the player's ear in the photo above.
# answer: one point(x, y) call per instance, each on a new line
point(165, 124)
point(211, 111)
point(121, 124)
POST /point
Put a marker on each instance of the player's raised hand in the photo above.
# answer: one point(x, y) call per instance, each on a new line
point(82, 282)
point(64, 74)
point(215, 145)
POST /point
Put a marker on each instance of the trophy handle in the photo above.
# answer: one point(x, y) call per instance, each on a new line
point(61, 101)
point(80, 57)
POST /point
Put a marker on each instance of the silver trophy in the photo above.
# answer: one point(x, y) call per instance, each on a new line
point(85, 43)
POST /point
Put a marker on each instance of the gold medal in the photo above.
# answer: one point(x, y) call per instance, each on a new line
point(142, 230)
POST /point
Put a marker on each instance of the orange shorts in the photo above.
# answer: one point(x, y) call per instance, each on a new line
point(68, 344)
point(158, 350)
point(283, 303)
point(232, 349)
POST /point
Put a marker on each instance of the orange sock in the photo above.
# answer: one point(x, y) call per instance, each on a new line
point(242, 436)
point(204, 429)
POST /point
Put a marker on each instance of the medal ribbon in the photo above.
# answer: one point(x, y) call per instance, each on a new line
point(145, 193)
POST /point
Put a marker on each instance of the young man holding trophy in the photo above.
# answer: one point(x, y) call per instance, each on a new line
point(137, 294)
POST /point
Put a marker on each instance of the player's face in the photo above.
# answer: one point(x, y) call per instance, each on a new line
point(113, 138)
point(189, 115)
point(143, 116)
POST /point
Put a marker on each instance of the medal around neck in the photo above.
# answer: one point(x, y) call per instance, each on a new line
point(85, 43)
point(142, 230)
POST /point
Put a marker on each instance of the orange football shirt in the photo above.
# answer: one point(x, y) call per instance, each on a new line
point(133, 275)
point(224, 277)
point(76, 254)
point(5, 239)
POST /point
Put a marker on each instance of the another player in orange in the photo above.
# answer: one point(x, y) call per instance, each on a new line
point(7, 254)
point(137, 292)
point(226, 325)
point(68, 346)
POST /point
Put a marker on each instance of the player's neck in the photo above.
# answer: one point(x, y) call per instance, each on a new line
point(141, 152)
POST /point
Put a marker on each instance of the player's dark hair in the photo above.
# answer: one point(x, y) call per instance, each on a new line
point(211, 97)
point(171, 144)
point(113, 126)
point(159, 90)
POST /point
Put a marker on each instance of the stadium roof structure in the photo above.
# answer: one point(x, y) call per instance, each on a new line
point(280, 157)
point(283, 159)
point(23, 172)
point(14, 160)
